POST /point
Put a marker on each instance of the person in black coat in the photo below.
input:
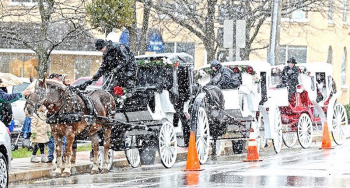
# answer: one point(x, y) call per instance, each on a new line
point(5, 106)
point(289, 78)
point(6, 110)
point(118, 65)
point(223, 77)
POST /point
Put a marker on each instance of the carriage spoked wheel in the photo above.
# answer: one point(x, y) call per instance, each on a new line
point(132, 152)
point(289, 136)
point(101, 157)
point(202, 135)
point(305, 130)
point(339, 123)
point(167, 144)
point(277, 140)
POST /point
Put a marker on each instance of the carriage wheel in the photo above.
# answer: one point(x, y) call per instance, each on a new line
point(339, 123)
point(305, 130)
point(202, 137)
point(167, 144)
point(261, 141)
point(101, 157)
point(289, 137)
point(277, 141)
point(132, 152)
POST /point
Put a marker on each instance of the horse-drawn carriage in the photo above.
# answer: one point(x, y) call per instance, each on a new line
point(315, 102)
point(238, 111)
point(156, 115)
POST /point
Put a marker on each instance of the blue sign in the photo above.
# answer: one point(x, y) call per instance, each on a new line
point(155, 43)
point(154, 40)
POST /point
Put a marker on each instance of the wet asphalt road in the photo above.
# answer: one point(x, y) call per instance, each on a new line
point(295, 167)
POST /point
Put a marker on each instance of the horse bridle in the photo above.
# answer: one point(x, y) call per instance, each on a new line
point(39, 92)
point(41, 99)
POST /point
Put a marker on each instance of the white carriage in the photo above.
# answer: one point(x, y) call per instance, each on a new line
point(241, 110)
point(315, 103)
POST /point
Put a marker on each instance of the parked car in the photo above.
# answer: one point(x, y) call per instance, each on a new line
point(5, 155)
point(81, 80)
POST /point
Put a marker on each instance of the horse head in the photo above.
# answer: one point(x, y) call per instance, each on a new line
point(37, 96)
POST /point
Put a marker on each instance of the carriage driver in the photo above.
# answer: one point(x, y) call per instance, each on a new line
point(118, 66)
point(223, 77)
point(289, 78)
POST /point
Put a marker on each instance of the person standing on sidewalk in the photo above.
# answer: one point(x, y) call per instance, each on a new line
point(40, 134)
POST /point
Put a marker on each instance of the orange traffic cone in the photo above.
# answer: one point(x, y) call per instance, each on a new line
point(326, 140)
point(252, 150)
point(192, 156)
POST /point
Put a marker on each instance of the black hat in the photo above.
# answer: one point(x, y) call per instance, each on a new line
point(54, 75)
point(99, 44)
point(291, 60)
point(216, 64)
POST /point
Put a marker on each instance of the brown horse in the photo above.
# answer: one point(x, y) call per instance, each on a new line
point(60, 100)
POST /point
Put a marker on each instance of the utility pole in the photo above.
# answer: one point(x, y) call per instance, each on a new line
point(275, 32)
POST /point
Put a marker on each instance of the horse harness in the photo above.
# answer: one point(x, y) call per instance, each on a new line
point(74, 114)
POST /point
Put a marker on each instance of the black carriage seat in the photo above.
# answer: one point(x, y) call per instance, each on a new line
point(149, 80)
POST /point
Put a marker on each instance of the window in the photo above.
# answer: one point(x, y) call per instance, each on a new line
point(343, 67)
point(330, 11)
point(178, 47)
point(298, 52)
point(345, 11)
point(297, 14)
point(5, 63)
point(82, 67)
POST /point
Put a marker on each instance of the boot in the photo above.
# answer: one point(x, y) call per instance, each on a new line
point(34, 160)
point(74, 155)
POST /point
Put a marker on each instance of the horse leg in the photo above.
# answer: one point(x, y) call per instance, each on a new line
point(74, 154)
point(95, 145)
point(68, 153)
point(107, 138)
point(58, 148)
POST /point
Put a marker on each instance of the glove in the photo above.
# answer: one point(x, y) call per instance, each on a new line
point(33, 135)
point(49, 134)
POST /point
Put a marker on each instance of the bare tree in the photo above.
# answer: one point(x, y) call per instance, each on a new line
point(202, 17)
point(48, 23)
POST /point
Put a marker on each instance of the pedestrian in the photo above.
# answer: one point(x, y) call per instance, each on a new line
point(223, 77)
point(5, 99)
point(289, 77)
point(118, 64)
point(65, 79)
point(6, 111)
point(41, 132)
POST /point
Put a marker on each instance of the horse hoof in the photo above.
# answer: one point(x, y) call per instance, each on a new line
point(104, 171)
point(94, 172)
point(65, 174)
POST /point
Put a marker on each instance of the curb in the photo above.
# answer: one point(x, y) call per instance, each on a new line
point(79, 168)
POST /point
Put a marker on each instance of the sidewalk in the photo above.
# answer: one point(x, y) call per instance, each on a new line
point(22, 169)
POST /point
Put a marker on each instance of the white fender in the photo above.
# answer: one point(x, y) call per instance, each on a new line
point(272, 113)
point(330, 110)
